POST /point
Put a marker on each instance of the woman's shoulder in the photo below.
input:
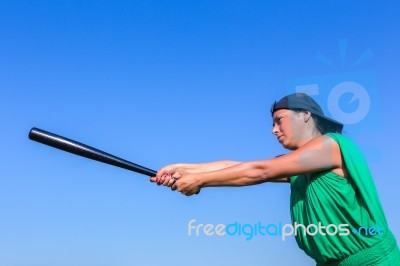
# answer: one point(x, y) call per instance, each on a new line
point(347, 146)
point(341, 139)
point(336, 136)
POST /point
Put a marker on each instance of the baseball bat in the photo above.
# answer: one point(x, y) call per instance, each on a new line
point(80, 149)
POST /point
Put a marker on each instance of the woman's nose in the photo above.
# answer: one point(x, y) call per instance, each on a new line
point(275, 129)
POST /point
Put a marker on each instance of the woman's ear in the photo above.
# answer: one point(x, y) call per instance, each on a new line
point(307, 116)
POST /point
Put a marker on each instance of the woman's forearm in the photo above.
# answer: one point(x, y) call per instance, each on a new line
point(207, 167)
point(241, 174)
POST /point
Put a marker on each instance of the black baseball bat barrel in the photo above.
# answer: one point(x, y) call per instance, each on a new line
point(80, 149)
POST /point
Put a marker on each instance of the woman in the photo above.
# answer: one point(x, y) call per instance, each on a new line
point(330, 185)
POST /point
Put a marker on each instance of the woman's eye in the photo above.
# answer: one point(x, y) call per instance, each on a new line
point(277, 121)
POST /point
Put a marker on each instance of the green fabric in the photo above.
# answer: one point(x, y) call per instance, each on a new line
point(327, 198)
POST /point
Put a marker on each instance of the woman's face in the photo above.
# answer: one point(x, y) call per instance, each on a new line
point(287, 127)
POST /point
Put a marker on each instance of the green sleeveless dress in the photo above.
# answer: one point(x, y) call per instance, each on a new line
point(353, 229)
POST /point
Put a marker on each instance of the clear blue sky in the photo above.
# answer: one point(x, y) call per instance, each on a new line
point(159, 82)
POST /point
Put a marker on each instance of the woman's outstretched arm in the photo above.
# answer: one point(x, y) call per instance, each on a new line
point(319, 154)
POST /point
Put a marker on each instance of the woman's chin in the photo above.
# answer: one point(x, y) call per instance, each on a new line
point(288, 146)
point(284, 145)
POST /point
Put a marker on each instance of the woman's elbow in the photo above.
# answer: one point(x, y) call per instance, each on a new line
point(259, 172)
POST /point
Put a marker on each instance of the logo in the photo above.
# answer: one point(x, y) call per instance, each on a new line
point(259, 229)
point(348, 94)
